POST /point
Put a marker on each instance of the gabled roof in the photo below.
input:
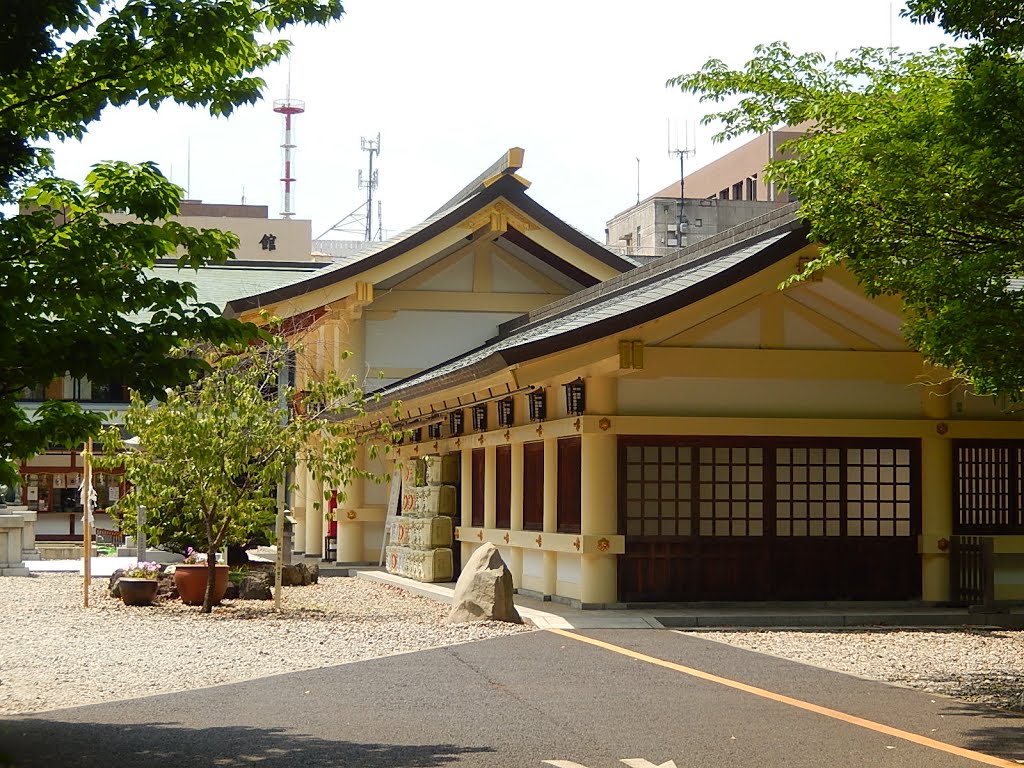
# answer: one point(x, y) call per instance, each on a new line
point(218, 284)
point(487, 189)
point(621, 302)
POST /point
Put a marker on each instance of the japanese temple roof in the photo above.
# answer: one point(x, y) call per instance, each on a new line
point(498, 181)
point(622, 302)
point(220, 283)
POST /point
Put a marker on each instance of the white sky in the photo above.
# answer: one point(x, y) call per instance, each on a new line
point(451, 84)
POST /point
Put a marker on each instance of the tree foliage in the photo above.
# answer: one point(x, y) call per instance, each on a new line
point(210, 456)
point(78, 299)
point(911, 172)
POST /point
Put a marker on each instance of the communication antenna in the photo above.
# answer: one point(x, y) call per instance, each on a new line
point(288, 107)
point(682, 153)
point(362, 217)
point(371, 147)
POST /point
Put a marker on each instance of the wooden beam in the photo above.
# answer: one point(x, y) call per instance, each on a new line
point(460, 301)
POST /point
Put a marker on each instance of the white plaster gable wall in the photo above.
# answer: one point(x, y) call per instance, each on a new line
point(420, 339)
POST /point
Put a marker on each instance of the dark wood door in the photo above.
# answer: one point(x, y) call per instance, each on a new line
point(758, 519)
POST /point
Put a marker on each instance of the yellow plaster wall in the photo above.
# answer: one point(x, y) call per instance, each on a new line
point(773, 398)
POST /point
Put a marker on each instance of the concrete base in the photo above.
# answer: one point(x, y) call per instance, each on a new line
point(152, 555)
point(17, 571)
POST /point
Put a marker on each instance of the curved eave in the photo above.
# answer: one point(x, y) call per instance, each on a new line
point(508, 187)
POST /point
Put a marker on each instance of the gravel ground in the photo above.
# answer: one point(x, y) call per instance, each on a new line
point(59, 654)
point(983, 666)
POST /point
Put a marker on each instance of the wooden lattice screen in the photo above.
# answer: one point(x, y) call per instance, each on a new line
point(987, 487)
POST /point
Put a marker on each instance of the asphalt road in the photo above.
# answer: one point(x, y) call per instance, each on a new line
point(524, 700)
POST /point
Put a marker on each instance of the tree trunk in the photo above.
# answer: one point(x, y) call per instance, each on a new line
point(211, 580)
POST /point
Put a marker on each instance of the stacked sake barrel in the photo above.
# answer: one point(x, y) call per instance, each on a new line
point(421, 544)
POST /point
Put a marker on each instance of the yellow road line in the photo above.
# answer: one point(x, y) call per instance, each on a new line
point(888, 730)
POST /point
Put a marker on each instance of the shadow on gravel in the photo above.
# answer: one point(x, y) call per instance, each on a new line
point(38, 743)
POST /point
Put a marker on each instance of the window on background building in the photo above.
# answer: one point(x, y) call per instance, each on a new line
point(107, 392)
point(737, 190)
point(724, 194)
point(752, 187)
point(34, 394)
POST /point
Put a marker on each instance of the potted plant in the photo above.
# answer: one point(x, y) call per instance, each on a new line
point(190, 577)
point(139, 583)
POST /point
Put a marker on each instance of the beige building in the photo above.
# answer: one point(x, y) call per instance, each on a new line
point(260, 237)
point(739, 175)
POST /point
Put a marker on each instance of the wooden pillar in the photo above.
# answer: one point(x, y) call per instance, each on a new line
point(314, 516)
point(599, 515)
point(550, 512)
point(936, 495)
point(516, 523)
point(350, 530)
point(347, 335)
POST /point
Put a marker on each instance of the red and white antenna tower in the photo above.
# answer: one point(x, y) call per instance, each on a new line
point(288, 107)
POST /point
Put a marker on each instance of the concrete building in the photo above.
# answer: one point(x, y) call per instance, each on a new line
point(719, 196)
point(653, 229)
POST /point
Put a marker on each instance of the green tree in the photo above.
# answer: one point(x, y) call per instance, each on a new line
point(912, 174)
point(212, 453)
point(76, 295)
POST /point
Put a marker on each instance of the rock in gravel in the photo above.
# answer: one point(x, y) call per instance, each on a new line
point(484, 590)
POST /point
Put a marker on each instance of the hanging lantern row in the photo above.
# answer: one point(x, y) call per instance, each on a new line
point(575, 405)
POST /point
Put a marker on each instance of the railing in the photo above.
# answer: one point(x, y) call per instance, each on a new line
point(972, 570)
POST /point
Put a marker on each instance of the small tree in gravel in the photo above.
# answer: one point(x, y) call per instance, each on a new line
point(211, 455)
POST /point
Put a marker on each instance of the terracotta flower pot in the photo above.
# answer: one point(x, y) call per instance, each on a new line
point(191, 583)
point(137, 591)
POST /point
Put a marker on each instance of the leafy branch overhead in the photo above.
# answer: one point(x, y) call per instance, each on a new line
point(79, 297)
point(911, 173)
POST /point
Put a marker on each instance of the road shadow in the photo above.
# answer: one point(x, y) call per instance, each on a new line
point(1002, 736)
point(40, 743)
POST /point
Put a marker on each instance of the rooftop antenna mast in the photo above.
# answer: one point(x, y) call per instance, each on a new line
point(372, 147)
point(683, 153)
point(288, 107)
point(362, 217)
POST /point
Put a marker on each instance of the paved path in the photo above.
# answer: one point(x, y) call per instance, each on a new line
point(547, 698)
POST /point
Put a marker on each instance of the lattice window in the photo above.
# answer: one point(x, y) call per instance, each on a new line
point(987, 483)
point(658, 490)
point(730, 491)
point(879, 489)
point(808, 492)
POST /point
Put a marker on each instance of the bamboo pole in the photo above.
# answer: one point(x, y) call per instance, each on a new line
point(87, 521)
